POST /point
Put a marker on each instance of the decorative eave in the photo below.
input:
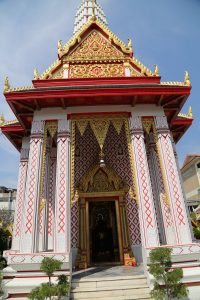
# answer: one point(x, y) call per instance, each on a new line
point(14, 133)
point(96, 91)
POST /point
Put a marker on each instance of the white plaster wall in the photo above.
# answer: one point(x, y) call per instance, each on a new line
point(59, 113)
point(26, 143)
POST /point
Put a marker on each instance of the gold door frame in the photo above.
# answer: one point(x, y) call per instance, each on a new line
point(83, 259)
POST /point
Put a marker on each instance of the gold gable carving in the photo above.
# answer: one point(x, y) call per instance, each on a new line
point(101, 180)
point(96, 70)
point(95, 47)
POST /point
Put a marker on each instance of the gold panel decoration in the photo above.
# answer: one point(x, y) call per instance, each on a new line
point(101, 180)
point(73, 135)
point(133, 195)
point(147, 125)
point(82, 124)
point(118, 123)
point(96, 70)
point(96, 47)
point(100, 129)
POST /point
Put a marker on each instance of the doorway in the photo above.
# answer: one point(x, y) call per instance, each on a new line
point(103, 233)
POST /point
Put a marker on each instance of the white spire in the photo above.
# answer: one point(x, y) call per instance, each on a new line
point(86, 10)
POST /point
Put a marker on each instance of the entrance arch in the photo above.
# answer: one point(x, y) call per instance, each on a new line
point(102, 189)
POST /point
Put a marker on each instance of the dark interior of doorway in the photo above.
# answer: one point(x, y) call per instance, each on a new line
point(104, 246)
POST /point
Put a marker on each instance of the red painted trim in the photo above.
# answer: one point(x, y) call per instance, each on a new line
point(96, 91)
point(17, 296)
point(147, 117)
point(70, 116)
point(95, 81)
point(12, 128)
point(182, 122)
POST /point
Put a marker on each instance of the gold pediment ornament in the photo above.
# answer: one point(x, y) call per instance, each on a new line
point(95, 47)
point(101, 180)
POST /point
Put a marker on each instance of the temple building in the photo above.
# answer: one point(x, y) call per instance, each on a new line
point(99, 181)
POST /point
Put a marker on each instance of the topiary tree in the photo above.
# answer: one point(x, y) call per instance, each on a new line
point(49, 290)
point(168, 283)
point(49, 266)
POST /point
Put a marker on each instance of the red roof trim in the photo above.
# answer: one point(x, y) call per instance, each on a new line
point(97, 91)
point(182, 122)
point(11, 128)
point(94, 81)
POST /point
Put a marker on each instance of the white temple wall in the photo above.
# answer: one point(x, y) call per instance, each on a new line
point(23, 166)
point(59, 113)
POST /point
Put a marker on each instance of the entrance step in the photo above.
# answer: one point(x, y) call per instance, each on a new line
point(119, 283)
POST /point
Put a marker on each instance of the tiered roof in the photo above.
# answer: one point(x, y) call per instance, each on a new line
point(96, 68)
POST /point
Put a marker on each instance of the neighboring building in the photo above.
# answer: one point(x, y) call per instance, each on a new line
point(98, 178)
point(191, 180)
point(7, 198)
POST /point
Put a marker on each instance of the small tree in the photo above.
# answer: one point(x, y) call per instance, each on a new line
point(49, 266)
point(48, 290)
point(167, 281)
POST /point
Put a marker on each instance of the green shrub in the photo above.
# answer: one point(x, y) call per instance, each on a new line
point(196, 232)
point(49, 290)
point(168, 283)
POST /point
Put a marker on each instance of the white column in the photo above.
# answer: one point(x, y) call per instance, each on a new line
point(172, 182)
point(62, 204)
point(148, 224)
point(31, 202)
point(17, 229)
point(160, 195)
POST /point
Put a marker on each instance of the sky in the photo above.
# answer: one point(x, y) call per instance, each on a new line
point(163, 32)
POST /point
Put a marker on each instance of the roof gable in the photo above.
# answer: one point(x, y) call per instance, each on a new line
point(94, 43)
point(95, 47)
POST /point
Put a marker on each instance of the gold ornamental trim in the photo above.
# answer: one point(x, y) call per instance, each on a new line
point(133, 192)
point(73, 140)
point(100, 130)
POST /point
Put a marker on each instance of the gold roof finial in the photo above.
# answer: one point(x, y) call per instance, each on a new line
point(36, 74)
point(93, 7)
point(130, 45)
point(2, 119)
point(156, 71)
point(6, 85)
point(93, 10)
point(60, 47)
point(187, 78)
point(190, 112)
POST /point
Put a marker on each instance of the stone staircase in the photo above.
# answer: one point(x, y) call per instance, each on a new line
point(110, 284)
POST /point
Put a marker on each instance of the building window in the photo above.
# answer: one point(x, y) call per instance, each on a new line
point(198, 165)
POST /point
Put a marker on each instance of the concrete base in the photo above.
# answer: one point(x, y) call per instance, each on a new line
point(137, 252)
point(74, 252)
point(19, 284)
point(23, 273)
